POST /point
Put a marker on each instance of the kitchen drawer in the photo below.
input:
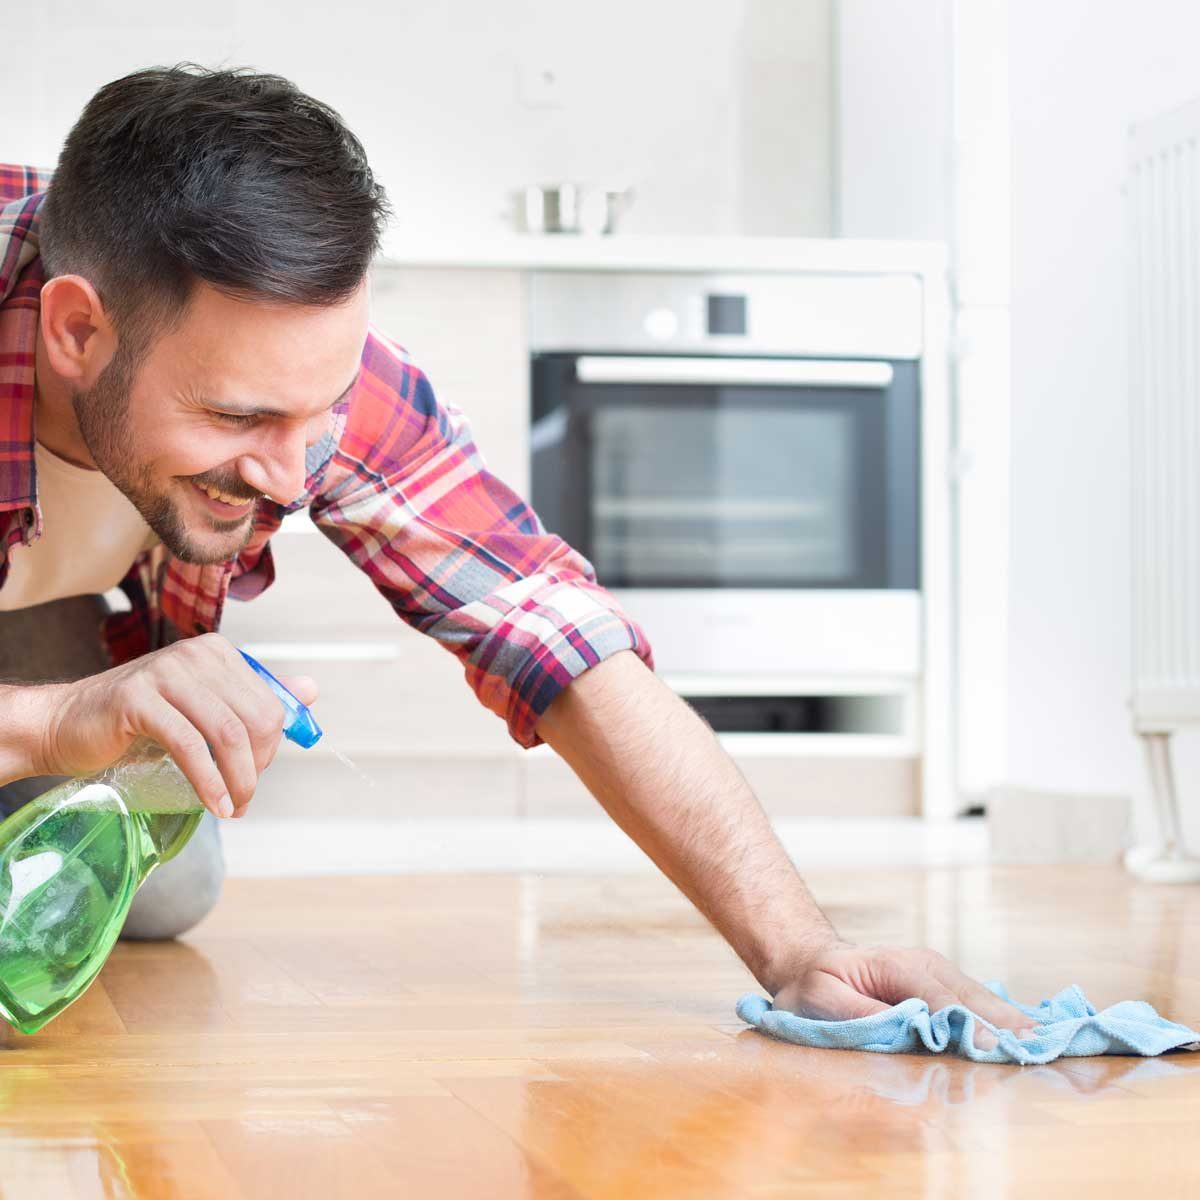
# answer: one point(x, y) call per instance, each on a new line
point(315, 784)
point(820, 785)
point(415, 703)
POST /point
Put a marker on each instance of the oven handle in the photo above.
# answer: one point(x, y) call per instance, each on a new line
point(778, 372)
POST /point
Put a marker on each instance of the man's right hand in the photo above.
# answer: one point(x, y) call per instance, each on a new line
point(189, 696)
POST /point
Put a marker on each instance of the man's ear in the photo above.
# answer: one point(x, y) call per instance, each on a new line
point(79, 336)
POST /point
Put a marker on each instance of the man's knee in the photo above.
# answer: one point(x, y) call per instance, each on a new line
point(180, 893)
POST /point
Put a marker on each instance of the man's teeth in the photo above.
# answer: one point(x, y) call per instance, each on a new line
point(216, 495)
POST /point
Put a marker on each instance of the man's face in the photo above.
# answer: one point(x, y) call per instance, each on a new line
point(219, 413)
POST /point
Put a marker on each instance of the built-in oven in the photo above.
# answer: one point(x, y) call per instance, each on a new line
point(740, 460)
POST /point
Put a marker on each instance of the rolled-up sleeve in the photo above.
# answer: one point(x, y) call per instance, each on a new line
point(457, 553)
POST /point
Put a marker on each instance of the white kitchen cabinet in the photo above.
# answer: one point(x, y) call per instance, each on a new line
point(397, 703)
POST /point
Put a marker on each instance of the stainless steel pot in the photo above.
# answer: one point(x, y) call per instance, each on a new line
point(571, 208)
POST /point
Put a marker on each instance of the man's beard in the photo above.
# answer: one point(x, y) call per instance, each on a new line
point(102, 413)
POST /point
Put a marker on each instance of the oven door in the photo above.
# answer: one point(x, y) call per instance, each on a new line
point(674, 472)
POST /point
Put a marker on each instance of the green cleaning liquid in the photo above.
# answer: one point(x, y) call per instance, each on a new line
point(70, 863)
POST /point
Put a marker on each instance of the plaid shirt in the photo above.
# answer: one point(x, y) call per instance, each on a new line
point(397, 484)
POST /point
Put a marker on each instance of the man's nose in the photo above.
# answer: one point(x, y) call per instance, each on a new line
point(277, 469)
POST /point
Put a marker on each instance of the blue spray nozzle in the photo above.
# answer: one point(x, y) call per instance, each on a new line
point(299, 725)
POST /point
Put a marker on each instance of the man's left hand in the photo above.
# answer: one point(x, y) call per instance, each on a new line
point(844, 981)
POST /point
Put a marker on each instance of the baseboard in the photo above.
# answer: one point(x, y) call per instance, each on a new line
point(1028, 825)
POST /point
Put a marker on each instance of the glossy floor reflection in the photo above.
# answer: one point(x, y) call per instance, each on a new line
point(497, 1036)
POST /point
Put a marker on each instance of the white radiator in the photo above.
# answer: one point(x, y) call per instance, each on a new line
point(1163, 236)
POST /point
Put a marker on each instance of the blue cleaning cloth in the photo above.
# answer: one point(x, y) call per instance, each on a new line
point(1067, 1026)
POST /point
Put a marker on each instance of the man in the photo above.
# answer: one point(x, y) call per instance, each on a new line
point(185, 357)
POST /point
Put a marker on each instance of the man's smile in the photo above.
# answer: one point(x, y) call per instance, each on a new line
point(221, 504)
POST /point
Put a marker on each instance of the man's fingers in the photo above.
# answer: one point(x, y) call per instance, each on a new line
point(984, 1038)
point(303, 687)
point(827, 998)
point(989, 1006)
point(852, 1004)
point(173, 731)
point(937, 996)
point(981, 1000)
point(262, 714)
point(226, 734)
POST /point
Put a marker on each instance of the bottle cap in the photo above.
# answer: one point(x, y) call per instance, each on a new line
point(298, 725)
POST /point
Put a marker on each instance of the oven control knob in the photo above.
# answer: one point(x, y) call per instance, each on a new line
point(661, 324)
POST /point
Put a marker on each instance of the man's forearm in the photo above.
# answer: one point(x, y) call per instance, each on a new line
point(662, 776)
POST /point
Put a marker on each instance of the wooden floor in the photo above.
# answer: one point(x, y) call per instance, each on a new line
point(502, 1036)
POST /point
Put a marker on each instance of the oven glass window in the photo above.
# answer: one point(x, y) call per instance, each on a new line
point(730, 485)
point(719, 496)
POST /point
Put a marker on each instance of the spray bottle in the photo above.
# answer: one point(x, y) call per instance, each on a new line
point(72, 860)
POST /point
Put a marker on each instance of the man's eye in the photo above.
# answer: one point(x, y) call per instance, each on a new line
point(235, 419)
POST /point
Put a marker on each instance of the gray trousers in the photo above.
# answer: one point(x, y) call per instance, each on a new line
point(61, 640)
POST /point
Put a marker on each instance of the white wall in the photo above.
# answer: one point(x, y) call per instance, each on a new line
point(1081, 74)
point(892, 154)
point(717, 111)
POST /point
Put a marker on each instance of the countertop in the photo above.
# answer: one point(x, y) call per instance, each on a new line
point(640, 252)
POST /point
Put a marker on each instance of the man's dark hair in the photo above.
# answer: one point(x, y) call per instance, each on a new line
point(178, 174)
